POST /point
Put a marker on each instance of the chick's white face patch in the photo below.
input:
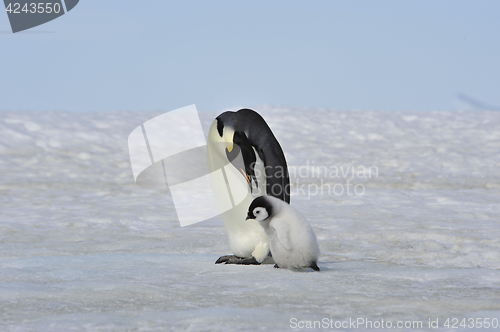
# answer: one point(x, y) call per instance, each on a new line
point(260, 213)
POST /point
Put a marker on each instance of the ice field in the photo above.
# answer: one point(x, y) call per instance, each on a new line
point(413, 236)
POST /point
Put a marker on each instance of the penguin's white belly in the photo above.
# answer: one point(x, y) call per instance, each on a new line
point(246, 238)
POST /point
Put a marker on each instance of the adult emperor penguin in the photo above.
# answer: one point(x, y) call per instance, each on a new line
point(243, 145)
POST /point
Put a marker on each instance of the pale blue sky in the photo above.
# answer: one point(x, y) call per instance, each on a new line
point(161, 55)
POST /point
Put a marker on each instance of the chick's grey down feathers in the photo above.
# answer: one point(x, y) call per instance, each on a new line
point(291, 239)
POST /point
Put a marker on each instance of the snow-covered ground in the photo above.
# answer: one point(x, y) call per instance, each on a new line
point(83, 248)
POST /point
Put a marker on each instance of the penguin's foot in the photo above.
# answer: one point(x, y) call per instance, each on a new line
point(314, 266)
point(225, 259)
point(276, 266)
point(231, 259)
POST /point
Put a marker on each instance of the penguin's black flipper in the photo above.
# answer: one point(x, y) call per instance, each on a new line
point(277, 178)
point(231, 259)
point(314, 266)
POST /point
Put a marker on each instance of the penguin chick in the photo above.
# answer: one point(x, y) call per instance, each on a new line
point(292, 241)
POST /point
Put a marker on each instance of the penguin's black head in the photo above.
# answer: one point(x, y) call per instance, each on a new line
point(226, 119)
point(260, 209)
point(220, 126)
point(244, 120)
